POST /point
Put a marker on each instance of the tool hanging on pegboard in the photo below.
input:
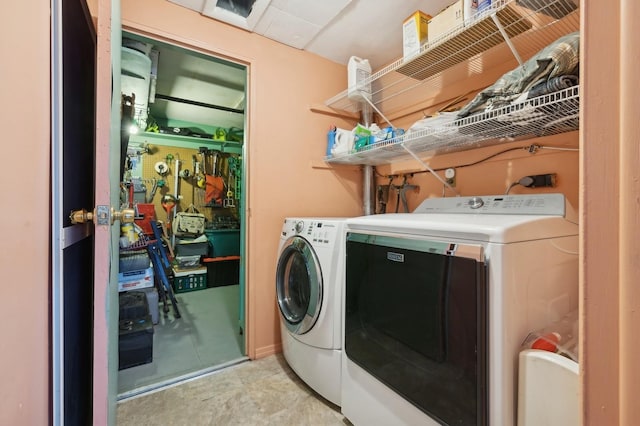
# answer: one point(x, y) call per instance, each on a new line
point(229, 201)
point(235, 170)
point(214, 184)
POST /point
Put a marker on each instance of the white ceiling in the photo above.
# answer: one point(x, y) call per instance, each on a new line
point(333, 29)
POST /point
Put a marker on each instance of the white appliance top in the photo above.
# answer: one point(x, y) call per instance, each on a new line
point(539, 204)
point(492, 218)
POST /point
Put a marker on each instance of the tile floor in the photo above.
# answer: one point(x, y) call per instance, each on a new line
point(252, 393)
point(204, 338)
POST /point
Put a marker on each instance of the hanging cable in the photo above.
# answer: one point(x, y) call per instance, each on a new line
point(533, 148)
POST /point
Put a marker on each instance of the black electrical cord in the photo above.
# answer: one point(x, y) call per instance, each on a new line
point(530, 148)
point(525, 181)
point(535, 181)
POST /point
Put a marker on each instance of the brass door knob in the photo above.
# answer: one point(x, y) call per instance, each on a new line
point(102, 215)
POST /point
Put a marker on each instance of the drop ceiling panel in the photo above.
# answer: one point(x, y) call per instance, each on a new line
point(333, 29)
point(316, 12)
point(370, 29)
point(286, 28)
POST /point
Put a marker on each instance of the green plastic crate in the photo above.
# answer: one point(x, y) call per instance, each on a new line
point(189, 279)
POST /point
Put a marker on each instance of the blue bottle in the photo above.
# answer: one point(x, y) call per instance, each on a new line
point(331, 140)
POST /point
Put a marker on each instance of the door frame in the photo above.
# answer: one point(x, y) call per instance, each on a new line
point(105, 351)
point(246, 302)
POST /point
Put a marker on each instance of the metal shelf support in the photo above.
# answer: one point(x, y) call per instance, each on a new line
point(506, 37)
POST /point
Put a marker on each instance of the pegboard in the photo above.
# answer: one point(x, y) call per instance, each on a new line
point(188, 190)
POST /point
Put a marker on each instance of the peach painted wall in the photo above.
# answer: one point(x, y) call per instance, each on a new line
point(25, 253)
point(285, 142)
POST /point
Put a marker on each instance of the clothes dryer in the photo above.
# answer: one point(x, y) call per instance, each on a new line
point(309, 283)
point(437, 303)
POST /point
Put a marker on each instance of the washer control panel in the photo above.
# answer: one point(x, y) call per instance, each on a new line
point(537, 204)
point(315, 231)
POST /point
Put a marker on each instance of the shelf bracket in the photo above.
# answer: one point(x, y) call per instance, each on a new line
point(507, 40)
point(433, 172)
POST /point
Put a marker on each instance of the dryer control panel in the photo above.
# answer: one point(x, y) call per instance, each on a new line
point(536, 204)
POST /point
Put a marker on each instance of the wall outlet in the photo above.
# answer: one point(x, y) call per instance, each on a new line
point(450, 176)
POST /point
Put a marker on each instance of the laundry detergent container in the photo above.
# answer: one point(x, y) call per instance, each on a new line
point(548, 378)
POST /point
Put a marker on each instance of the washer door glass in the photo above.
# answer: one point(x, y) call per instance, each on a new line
point(299, 285)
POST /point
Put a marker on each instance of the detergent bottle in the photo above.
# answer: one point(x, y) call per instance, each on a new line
point(331, 140)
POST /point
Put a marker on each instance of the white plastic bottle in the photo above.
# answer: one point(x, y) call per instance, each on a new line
point(359, 71)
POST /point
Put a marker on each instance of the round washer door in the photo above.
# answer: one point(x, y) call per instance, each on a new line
point(299, 285)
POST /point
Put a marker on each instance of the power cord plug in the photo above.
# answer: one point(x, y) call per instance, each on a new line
point(540, 181)
point(535, 181)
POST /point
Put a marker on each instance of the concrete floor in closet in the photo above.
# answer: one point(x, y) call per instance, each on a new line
point(205, 338)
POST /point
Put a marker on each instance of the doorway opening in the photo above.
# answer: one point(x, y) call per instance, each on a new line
point(182, 171)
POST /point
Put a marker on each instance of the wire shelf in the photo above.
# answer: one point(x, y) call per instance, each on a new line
point(546, 115)
point(520, 26)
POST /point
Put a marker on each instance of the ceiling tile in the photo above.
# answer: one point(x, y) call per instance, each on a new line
point(319, 13)
point(286, 28)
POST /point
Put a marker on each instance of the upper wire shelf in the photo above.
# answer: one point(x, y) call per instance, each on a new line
point(520, 26)
point(546, 115)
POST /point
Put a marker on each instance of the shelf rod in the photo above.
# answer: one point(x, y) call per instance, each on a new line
point(496, 21)
point(377, 110)
point(197, 103)
point(433, 172)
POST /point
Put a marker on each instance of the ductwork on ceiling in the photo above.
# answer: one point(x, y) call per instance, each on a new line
point(182, 85)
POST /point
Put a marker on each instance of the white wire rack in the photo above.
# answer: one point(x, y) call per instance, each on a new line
point(545, 115)
point(521, 27)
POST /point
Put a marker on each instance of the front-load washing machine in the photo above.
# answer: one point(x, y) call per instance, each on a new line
point(437, 303)
point(309, 282)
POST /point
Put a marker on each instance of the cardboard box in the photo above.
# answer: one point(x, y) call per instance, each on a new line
point(449, 18)
point(473, 8)
point(135, 280)
point(414, 33)
point(480, 5)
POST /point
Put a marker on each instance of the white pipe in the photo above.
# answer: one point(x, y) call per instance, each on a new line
point(176, 173)
point(176, 182)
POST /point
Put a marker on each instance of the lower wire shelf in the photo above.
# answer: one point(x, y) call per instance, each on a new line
point(546, 115)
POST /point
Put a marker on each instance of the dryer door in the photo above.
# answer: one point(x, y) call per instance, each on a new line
point(299, 285)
